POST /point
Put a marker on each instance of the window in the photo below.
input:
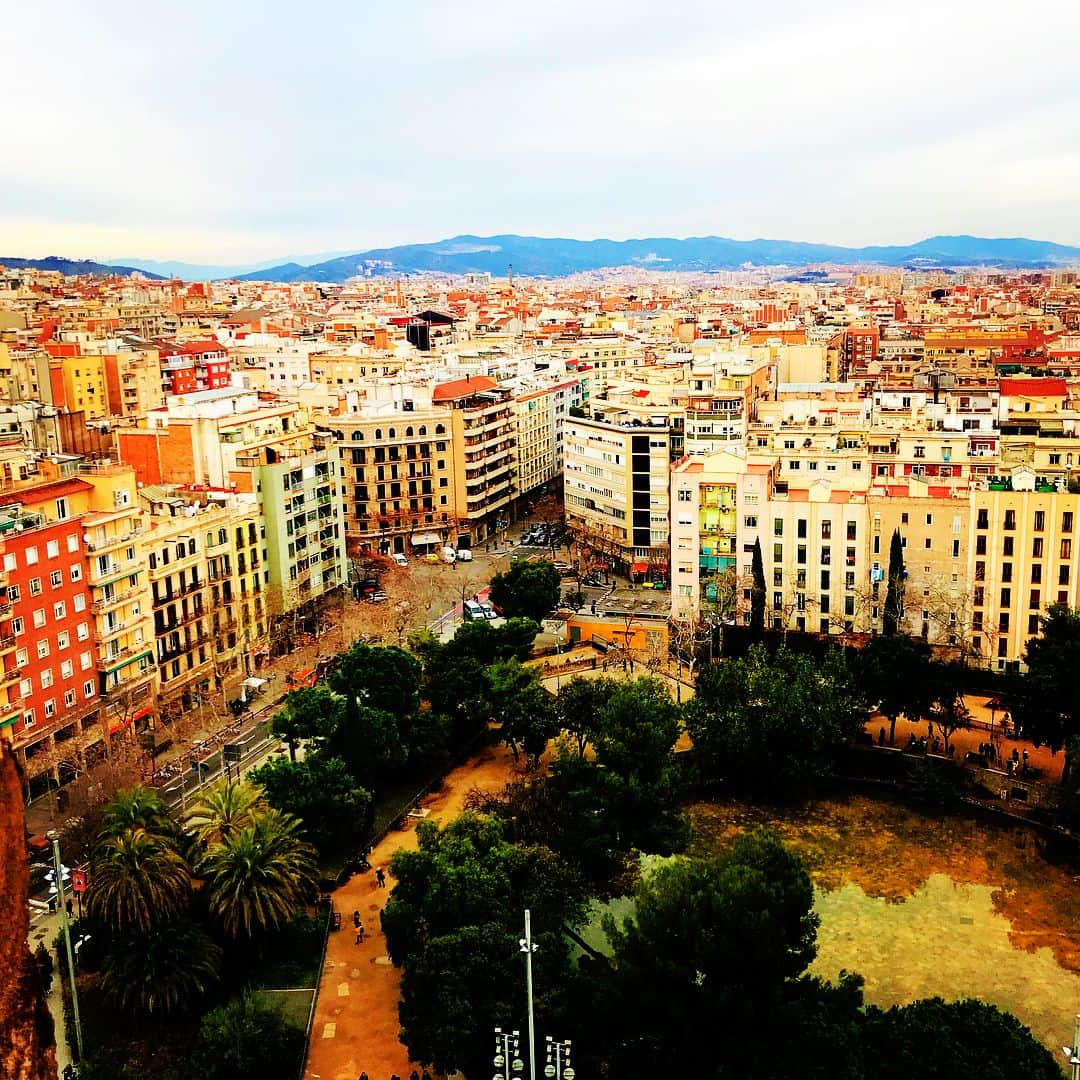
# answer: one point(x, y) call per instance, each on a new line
point(903, 519)
point(46, 678)
point(1066, 549)
point(39, 618)
point(50, 707)
point(18, 626)
point(22, 658)
point(800, 554)
point(1010, 519)
point(1063, 578)
point(79, 602)
point(63, 639)
point(1006, 571)
point(88, 688)
point(928, 543)
point(1006, 597)
point(956, 549)
point(983, 520)
point(1036, 574)
point(1037, 548)
point(85, 660)
point(42, 648)
point(35, 586)
point(1066, 521)
point(28, 718)
point(73, 543)
point(76, 573)
point(10, 562)
point(26, 688)
point(1007, 547)
point(778, 527)
point(31, 556)
point(826, 530)
point(980, 545)
point(82, 631)
point(685, 495)
point(56, 578)
point(801, 528)
point(750, 522)
point(1035, 598)
point(59, 610)
point(777, 553)
point(69, 699)
point(1040, 520)
point(52, 549)
point(825, 579)
point(62, 513)
point(67, 669)
point(1033, 624)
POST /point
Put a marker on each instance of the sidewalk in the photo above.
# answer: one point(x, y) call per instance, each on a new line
point(355, 1027)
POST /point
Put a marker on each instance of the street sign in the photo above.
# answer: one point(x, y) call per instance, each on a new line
point(78, 881)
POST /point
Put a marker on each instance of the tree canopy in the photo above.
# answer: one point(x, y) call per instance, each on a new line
point(894, 675)
point(308, 713)
point(893, 614)
point(771, 724)
point(528, 589)
point(380, 677)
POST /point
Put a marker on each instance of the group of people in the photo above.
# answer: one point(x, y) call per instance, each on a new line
point(414, 1075)
point(358, 923)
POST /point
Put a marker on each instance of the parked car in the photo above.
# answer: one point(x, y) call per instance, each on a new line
point(471, 610)
point(431, 557)
point(400, 559)
point(464, 555)
point(449, 555)
point(489, 611)
point(593, 581)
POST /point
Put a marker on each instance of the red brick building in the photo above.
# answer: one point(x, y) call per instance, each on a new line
point(193, 365)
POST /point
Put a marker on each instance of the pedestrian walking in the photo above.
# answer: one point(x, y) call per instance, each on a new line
point(71, 906)
point(356, 919)
point(359, 932)
point(380, 877)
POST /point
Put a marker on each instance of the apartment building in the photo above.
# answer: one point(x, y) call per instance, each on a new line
point(120, 596)
point(704, 528)
point(190, 366)
point(397, 477)
point(540, 413)
point(480, 418)
point(132, 379)
point(616, 487)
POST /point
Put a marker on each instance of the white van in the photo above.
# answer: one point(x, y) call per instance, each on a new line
point(471, 610)
point(449, 555)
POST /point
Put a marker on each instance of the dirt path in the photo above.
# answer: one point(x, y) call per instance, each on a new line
point(356, 1023)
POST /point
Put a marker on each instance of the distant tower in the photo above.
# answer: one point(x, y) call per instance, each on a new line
point(399, 303)
point(510, 275)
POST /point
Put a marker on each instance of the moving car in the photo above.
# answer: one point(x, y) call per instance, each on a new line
point(400, 559)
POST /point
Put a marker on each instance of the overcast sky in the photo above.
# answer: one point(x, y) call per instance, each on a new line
point(239, 130)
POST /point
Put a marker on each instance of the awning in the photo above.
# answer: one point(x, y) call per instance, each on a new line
point(639, 568)
point(142, 714)
point(419, 539)
point(254, 683)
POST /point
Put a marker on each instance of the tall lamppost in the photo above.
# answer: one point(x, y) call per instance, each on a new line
point(507, 1059)
point(558, 1065)
point(61, 908)
point(1073, 1052)
point(528, 948)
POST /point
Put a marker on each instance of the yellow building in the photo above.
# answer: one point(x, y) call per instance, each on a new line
point(84, 385)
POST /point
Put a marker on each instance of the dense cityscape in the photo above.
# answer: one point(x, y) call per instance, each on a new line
point(540, 541)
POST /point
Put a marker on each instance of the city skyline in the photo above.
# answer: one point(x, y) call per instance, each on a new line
point(240, 139)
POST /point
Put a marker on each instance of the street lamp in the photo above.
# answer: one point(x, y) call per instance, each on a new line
point(66, 924)
point(1073, 1052)
point(558, 1065)
point(507, 1058)
point(528, 948)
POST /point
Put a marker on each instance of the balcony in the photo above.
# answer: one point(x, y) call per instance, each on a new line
point(107, 543)
point(7, 643)
point(115, 570)
point(106, 632)
point(12, 677)
point(103, 603)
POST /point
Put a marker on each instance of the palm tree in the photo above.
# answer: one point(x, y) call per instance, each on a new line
point(163, 971)
point(137, 881)
point(136, 807)
point(223, 811)
point(260, 877)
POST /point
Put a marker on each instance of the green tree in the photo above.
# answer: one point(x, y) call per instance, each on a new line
point(579, 705)
point(757, 590)
point(381, 677)
point(894, 673)
point(165, 970)
point(259, 878)
point(321, 792)
point(245, 1038)
point(136, 808)
point(1047, 700)
point(453, 922)
point(521, 707)
point(893, 615)
point(370, 742)
point(772, 724)
point(527, 589)
point(307, 713)
point(637, 731)
point(945, 688)
point(714, 945)
point(222, 810)
point(137, 881)
point(938, 1040)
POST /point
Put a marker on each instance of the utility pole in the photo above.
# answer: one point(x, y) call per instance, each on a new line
point(528, 948)
point(66, 924)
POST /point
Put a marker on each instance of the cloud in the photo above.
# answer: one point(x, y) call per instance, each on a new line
point(244, 130)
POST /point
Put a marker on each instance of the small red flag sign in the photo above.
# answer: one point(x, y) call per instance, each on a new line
point(78, 881)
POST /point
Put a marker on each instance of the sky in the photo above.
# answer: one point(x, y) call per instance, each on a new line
point(238, 131)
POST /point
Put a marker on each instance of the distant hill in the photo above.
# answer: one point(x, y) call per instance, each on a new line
point(73, 267)
point(535, 256)
point(175, 268)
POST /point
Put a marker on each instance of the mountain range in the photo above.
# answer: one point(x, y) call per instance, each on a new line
point(535, 256)
point(73, 267)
